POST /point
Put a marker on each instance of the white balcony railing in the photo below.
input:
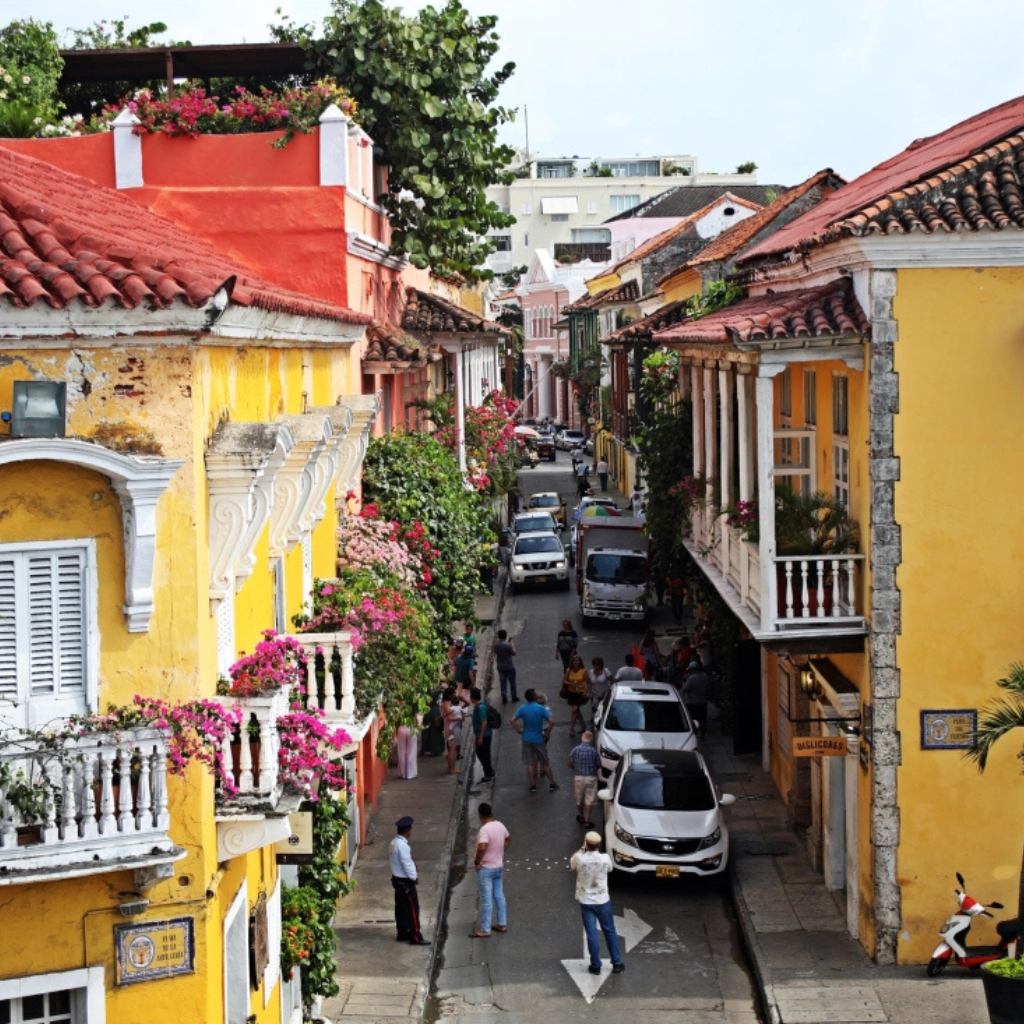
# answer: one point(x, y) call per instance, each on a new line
point(103, 806)
point(816, 593)
point(817, 589)
point(252, 759)
point(336, 698)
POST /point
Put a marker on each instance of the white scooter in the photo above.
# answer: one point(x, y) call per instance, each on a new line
point(953, 946)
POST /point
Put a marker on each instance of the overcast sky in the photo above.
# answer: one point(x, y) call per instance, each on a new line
point(796, 85)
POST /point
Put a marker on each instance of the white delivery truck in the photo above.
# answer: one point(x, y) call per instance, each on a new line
point(612, 568)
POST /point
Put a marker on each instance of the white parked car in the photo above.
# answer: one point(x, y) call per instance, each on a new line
point(533, 522)
point(538, 558)
point(662, 815)
point(639, 715)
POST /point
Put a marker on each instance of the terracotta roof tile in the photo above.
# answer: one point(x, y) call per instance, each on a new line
point(828, 311)
point(64, 239)
point(387, 344)
point(628, 291)
point(659, 320)
point(966, 178)
point(652, 245)
point(428, 314)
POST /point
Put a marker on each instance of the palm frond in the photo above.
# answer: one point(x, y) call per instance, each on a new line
point(997, 719)
point(1014, 680)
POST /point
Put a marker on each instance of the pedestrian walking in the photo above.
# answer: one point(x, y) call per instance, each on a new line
point(582, 472)
point(566, 643)
point(491, 843)
point(636, 500)
point(465, 671)
point(452, 710)
point(574, 691)
point(482, 733)
point(504, 652)
point(602, 475)
point(675, 587)
point(533, 721)
point(404, 878)
point(695, 696)
point(651, 654)
point(592, 868)
point(600, 679)
point(407, 743)
point(584, 761)
point(629, 672)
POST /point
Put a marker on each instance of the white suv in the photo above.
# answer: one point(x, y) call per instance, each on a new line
point(569, 439)
point(538, 558)
point(662, 815)
point(639, 714)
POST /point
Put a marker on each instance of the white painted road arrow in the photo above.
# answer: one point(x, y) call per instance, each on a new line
point(631, 930)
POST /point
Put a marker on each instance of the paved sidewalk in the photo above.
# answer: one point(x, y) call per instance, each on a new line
point(383, 981)
point(807, 967)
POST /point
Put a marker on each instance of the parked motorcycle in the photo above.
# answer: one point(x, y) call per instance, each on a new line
point(954, 948)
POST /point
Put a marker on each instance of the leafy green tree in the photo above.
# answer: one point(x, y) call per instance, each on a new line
point(30, 67)
point(415, 478)
point(427, 99)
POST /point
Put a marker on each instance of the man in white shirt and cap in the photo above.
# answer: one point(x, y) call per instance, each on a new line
point(592, 868)
point(404, 878)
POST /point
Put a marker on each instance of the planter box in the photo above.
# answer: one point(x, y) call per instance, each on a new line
point(1005, 998)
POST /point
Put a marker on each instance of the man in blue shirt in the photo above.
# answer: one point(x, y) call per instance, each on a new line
point(404, 878)
point(533, 722)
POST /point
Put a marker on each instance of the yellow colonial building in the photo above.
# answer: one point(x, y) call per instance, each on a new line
point(879, 357)
point(175, 432)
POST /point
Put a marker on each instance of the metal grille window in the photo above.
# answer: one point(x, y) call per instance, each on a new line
point(559, 218)
point(45, 608)
point(841, 438)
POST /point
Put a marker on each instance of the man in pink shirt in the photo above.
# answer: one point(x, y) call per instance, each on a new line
point(491, 843)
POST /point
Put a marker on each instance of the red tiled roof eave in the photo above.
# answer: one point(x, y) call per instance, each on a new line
point(65, 239)
point(827, 312)
point(430, 314)
point(661, 319)
point(390, 350)
point(893, 196)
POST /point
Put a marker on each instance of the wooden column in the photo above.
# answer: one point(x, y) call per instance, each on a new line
point(697, 390)
point(764, 390)
point(744, 426)
point(726, 399)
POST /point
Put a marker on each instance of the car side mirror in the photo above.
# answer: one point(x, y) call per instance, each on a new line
point(726, 799)
point(604, 794)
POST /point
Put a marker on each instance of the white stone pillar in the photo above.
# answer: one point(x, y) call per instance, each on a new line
point(710, 429)
point(744, 426)
point(127, 151)
point(543, 386)
point(764, 389)
point(333, 147)
point(697, 392)
point(726, 398)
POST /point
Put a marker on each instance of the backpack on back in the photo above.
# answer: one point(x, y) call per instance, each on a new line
point(493, 717)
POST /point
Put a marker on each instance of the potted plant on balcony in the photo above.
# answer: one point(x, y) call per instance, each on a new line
point(811, 524)
point(1003, 979)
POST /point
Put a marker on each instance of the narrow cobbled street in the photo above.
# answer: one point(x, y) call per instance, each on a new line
point(683, 954)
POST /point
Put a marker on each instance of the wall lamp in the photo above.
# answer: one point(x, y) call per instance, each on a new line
point(809, 683)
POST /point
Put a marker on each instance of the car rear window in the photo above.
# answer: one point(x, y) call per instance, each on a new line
point(654, 791)
point(647, 716)
point(530, 523)
point(544, 501)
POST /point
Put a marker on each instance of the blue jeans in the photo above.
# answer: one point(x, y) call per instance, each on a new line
point(595, 914)
point(507, 677)
point(489, 881)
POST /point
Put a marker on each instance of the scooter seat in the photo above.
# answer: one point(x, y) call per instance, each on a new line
point(1008, 929)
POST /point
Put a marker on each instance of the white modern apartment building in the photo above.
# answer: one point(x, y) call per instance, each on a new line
point(561, 203)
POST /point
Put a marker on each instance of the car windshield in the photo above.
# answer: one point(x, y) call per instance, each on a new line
point(532, 524)
point(646, 716)
point(541, 542)
point(668, 791)
point(617, 569)
point(544, 501)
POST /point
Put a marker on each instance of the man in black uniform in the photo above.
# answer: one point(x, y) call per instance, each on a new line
point(404, 877)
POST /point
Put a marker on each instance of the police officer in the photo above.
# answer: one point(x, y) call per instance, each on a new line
point(404, 877)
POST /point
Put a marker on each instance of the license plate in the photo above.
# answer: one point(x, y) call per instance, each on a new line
point(664, 871)
point(540, 579)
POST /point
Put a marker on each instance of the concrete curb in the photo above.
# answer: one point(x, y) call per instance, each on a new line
point(762, 973)
point(484, 672)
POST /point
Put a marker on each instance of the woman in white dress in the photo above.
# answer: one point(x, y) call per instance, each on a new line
point(451, 709)
point(407, 740)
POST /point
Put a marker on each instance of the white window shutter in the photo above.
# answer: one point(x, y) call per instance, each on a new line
point(56, 602)
point(71, 625)
point(8, 632)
